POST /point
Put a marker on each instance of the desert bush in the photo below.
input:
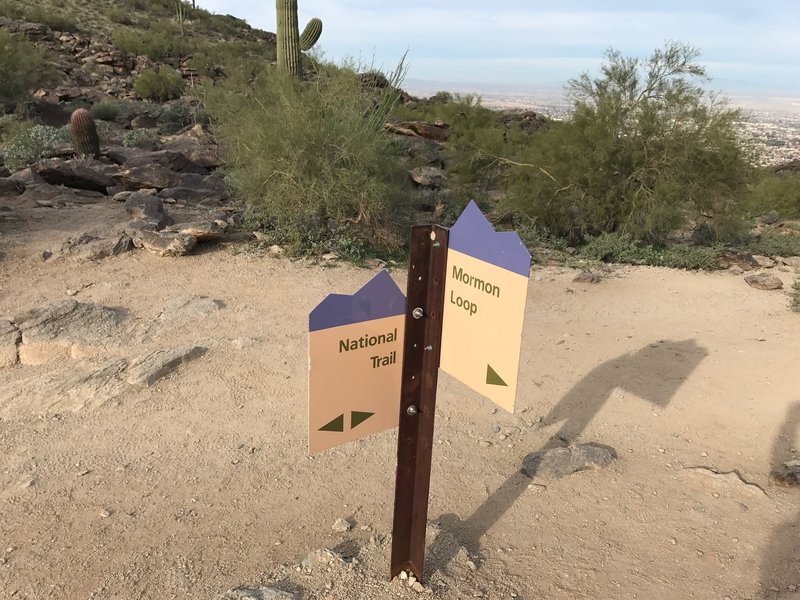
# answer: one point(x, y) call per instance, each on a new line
point(794, 296)
point(140, 138)
point(54, 19)
point(310, 160)
point(159, 42)
point(159, 84)
point(774, 245)
point(778, 192)
point(23, 67)
point(645, 148)
point(11, 9)
point(106, 110)
point(623, 248)
point(28, 144)
point(119, 15)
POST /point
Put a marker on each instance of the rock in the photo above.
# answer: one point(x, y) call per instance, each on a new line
point(321, 557)
point(74, 176)
point(560, 462)
point(64, 389)
point(431, 131)
point(144, 122)
point(764, 262)
point(121, 154)
point(342, 525)
point(9, 339)
point(429, 177)
point(259, 593)
point(788, 474)
point(144, 207)
point(66, 329)
point(26, 177)
point(743, 260)
point(790, 261)
point(764, 281)
point(174, 161)
point(148, 369)
point(204, 231)
point(276, 250)
point(192, 196)
point(188, 308)
point(88, 248)
point(164, 243)
point(9, 187)
point(150, 176)
point(770, 218)
point(587, 277)
point(122, 196)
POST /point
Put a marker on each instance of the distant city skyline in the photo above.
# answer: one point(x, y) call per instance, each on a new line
point(747, 46)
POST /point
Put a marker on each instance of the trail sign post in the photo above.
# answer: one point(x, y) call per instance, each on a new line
point(485, 292)
point(465, 307)
point(355, 355)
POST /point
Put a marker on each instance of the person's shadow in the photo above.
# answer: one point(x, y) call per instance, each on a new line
point(653, 373)
point(780, 569)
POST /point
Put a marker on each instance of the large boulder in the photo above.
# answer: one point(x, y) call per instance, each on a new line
point(165, 243)
point(86, 247)
point(57, 172)
point(10, 187)
point(174, 161)
point(144, 207)
point(66, 329)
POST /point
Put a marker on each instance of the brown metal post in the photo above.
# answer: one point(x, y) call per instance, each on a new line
point(423, 336)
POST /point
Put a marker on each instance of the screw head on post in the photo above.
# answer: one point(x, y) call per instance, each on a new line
point(412, 410)
point(417, 313)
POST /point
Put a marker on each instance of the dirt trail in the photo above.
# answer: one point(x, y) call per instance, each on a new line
point(202, 483)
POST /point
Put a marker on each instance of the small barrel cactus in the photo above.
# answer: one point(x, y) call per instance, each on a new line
point(289, 41)
point(83, 131)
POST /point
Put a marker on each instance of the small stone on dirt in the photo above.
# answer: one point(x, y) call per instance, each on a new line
point(342, 525)
point(788, 474)
point(763, 281)
point(560, 462)
point(164, 243)
point(204, 231)
point(321, 557)
point(587, 277)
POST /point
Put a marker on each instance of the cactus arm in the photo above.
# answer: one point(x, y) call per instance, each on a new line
point(310, 34)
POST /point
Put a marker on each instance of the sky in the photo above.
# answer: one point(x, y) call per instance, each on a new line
point(747, 46)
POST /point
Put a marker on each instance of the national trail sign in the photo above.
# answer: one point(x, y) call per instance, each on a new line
point(484, 307)
point(355, 348)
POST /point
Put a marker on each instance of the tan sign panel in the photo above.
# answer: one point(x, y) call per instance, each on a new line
point(485, 291)
point(355, 348)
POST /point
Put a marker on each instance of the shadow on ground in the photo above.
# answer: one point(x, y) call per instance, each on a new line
point(653, 373)
point(780, 568)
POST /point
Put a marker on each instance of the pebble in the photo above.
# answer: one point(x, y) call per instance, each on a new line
point(403, 575)
point(105, 513)
point(342, 525)
point(418, 587)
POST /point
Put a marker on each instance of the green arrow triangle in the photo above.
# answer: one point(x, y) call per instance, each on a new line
point(336, 425)
point(358, 417)
point(492, 378)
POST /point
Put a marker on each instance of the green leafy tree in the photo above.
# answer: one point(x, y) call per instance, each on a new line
point(645, 149)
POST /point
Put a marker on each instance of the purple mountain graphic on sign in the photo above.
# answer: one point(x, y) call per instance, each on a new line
point(474, 236)
point(378, 299)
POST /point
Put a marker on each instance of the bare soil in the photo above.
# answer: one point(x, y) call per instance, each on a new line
point(202, 483)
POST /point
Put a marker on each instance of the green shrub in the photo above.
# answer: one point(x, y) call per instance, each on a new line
point(27, 146)
point(140, 138)
point(11, 9)
point(778, 192)
point(774, 245)
point(794, 296)
point(159, 84)
point(22, 67)
point(159, 42)
point(106, 110)
point(117, 14)
point(310, 160)
point(623, 248)
point(54, 19)
point(645, 148)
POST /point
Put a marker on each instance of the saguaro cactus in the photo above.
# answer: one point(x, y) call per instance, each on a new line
point(290, 43)
point(83, 131)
